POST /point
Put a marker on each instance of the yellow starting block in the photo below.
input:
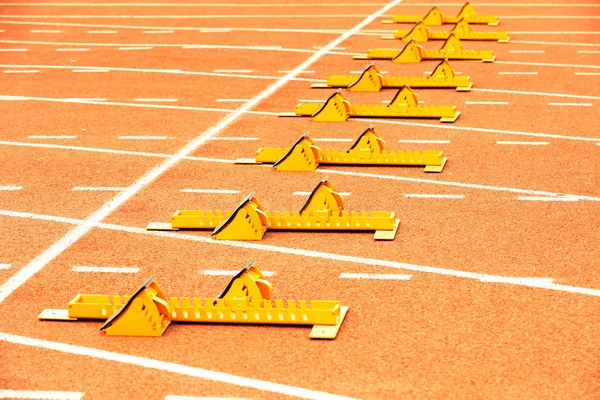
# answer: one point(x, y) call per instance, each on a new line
point(323, 211)
point(369, 149)
point(405, 104)
point(435, 17)
point(245, 300)
point(371, 80)
point(413, 53)
point(421, 33)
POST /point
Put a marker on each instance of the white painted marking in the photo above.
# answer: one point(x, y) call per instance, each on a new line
point(433, 196)
point(424, 141)
point(517, 73)
point(45, 31)
point(178, 369)
point(538, 282)
point(157, 100)
point(98, 188)
point(527, 93)
point(159, 32)
point(522, 143)
point(526, 51)
point(491, 103)
point(392, 277)
point(101, 32)
point(174, 397)
point(233, 100)
point(234, 71)
point(308, 193)
point(287, 71)
point(90, 70)
point(234, 138)
point(10, 188)
point(128, 48)
point(5, 266)
point(16, 50)
point(571, 104)
point(22, 71)
point(82, 229)
point(51, 137)
point(39, 394)
point(73, 49)
point(77, 99)
point(548, 64)
point(272, 5)
point(223, 272)
point(335, 48)
point(588, 73)
point(143, 137)
point(211, 191)
point(332, 140)
point(109, 270)
point(556, 43)
point(588, 51)
point(548, 198)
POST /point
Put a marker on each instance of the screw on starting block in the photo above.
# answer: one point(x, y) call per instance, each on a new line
point(413, 53)
point(371, 80)
point(368, 149)
point(435, 17)
point(245, 300)
point(421, 33)
point(249, 221)
point(337, 108)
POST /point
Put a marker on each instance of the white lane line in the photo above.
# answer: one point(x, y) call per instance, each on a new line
point(90, 70)
point(45, 31)
point(10, 188)
point(588, 51)
point(40, 394)
point(15, 50)
point(588, 73)
point(433, 196)
point(527, 93)
point(227, 272)
point(335, 48)
point(78, 99)
point(520, 281)
point(233, 100)
point(522, 143)
point(71, 237)
point(517, 73)
point(332, 140)
point(491, 103)
point(143, 137)
point(391, 277)
point(287, 71)
point(571, 104)
point(158, 32)
point(109, 270)
point(285, 5)
point(22, 71)
point(308, 193)
point(98, 189)
point(5, 266)
point(178, 369)
point(51, 137)
point(233, 71)
point(135, 48)
point(101, 32)
point(541, 64)
point(211, 191)
point(157, 100)
point(234, 138)
point(73, 49)
point(424, 141)
point(556, 43)
point(526, 51)
point(305, 253)
point(548, 198)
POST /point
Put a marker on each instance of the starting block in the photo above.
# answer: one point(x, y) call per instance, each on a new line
point(413, 53)
point(369, 149)
point(405, 104)
point(371, 80)
point(421, 33)
point(323, 211)
point(435, 17)
point(245, 300)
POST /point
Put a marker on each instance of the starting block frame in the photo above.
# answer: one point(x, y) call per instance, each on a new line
point(421, 33)
point(435, 17)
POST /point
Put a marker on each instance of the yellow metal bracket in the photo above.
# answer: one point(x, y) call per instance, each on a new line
point(435, 17)
point(245, 300)
point(421, 33)
point(413, 53)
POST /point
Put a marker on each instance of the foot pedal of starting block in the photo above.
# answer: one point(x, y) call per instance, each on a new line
point(387, 235)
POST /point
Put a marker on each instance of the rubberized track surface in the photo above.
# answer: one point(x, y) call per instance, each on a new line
point(504, 255)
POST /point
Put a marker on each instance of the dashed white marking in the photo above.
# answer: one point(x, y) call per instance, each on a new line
point(491, 103)
point(588, 51)
point(21, 71)
point(522, 143)
point(211, 191)
point(424, 141)
point(101, 32)
point(571, 104)
point(110, 270)
point(11, 188)
point(526, 51)
point(335, 48)
point(308, 193)
point(234, 138)
point(391, 277)
point(98, 188)
point(51, 137)
point(332, 140)
point(233, 100)
point(588, 73)
point(158, 32)
point(517, 73)
point(40, 395)
point(135, 48)
point(90, 70)
point(530, 93)
point(45, 31)
point(74, 49)
point(226, 272)
point(5, 266)
point(286, 71)
point(157, 100)
point(434, 196)
point(143, 137)
point(16, 50)
point(76, 99)
point(233, 71)
point(548, 198)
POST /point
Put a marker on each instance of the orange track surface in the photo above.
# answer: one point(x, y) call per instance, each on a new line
point(444, 333)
